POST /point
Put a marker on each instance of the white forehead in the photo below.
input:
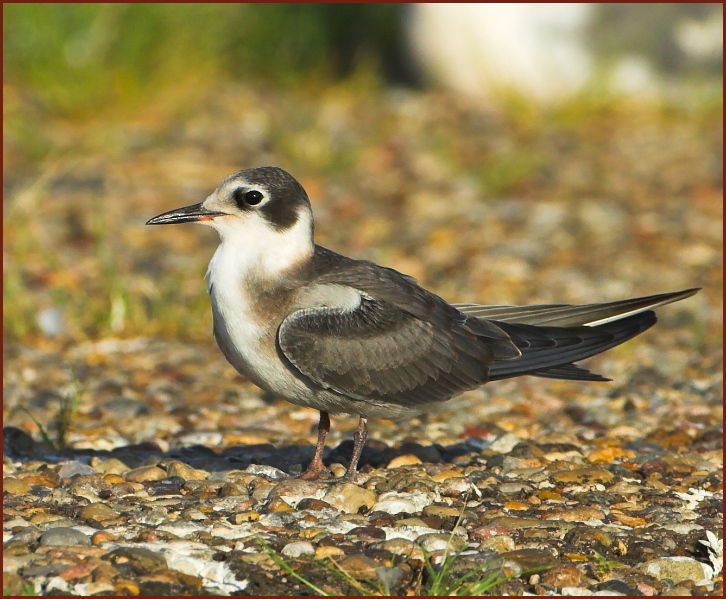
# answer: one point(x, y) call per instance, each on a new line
point(233, 182)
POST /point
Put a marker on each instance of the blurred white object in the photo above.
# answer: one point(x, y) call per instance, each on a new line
point(481, 48)
point(50, 321)
point(548, 51)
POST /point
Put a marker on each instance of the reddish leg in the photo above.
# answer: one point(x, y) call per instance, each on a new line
point(317, 466)
point(359, 440)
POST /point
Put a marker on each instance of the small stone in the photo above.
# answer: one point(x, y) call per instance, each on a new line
point(564, 575)
point(441, 511)
point(261, 489)
point(360, 567)
point(74, 467)
point(313, 505)
point(99, 512)
point(338, 470)
point(184, 471)
point(112, 466)
point(350, 498)
point(505, 443)
point(437, 541)
point(405, 547)
point(489, 530)
point(268, 471)
point(326, 551)
point(512, 488)
point(44, 518)
point(145, 473)
point(297, 549)
point(102, 537)
point(367, 533)
point(141, 560)
point(280, 505)
point(498, 544)
point(64, 536)
point(677, 569)
point(608, 455)
point(233, 490)
point(632, 521)
point(14, 486)
point(578, 513)
point(407, 459)
point(584, 476)
point(44, 478)
point(251, 516)
point(26, 534)
point(168, 486)
point(531, 559)
point(516, 506)
point(445, 475)
point(294, 490)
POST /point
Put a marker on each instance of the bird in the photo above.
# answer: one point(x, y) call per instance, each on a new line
point(341, 335)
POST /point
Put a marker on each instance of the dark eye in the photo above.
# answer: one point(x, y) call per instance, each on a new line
point(251, 198)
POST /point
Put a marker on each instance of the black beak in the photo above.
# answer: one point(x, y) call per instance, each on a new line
point(188, 214)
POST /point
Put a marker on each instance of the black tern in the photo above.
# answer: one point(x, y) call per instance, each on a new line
point(325, 331)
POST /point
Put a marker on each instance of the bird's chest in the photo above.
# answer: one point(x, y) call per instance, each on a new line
point(246, 320)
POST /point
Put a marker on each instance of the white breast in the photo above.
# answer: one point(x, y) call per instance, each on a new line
point(239, 336)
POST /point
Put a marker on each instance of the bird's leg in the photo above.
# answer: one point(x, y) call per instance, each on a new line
point(317, 466)
point(359, 440)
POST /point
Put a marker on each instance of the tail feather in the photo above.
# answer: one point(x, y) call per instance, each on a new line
point(564, 315)
point(550, 351)
point(570, 372)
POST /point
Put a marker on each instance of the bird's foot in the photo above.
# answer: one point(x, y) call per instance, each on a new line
point(314, 471)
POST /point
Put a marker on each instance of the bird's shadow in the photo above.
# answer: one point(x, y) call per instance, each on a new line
point(291, 459)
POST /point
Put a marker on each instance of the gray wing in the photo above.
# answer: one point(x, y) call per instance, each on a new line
point(400, 343)
point(563, 315)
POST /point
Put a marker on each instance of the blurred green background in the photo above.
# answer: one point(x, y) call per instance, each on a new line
point(115, 112)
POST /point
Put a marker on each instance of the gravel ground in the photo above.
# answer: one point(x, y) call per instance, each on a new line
point(172, 477)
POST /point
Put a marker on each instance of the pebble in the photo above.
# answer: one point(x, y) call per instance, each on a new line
point(326, 551)
point(185, 471)
point(140, 559)
point(405, 547)
point(584, 476)
point(98, 511)
point(13, 486)
point(350, 498)
point(394, 505)
point(394, 502)
point(46, 478)
point(442, 542)
point(64, 536)
point(111, 466)
point(511, 488)
point(530, 559)
point(145, 473)
point(498, 544)
point(578, 513)
point(294, 490)
point(278, 505)
point(298, 548)
point(359, 567)
point(505, 443)
point(268, 471)
point(407, 459)
point(74, 467)
point(249, 516)
point(677, 569)
point(564, 575)
point(440, 477)
point(102, 537)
